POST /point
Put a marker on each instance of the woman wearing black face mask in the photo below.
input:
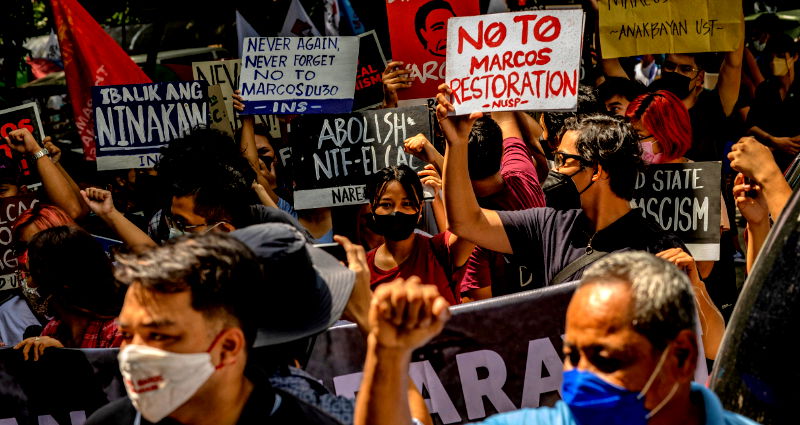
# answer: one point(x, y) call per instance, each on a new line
point(396, 198)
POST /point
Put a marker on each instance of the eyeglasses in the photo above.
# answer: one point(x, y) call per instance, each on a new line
point(180, 224)
point(670, 66)
point(560, 158)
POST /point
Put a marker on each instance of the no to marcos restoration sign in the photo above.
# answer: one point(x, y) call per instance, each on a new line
point(515, 61)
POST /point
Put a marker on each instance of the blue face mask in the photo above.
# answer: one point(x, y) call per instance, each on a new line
point(594, 401)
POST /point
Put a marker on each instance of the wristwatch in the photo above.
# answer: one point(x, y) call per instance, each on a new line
point(42, 153)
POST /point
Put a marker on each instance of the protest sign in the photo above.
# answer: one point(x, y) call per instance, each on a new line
point(133, 122)
point(10, 209)
point(226, 75)
point(22, 116)
point(685, 200)
point(637, 27)
point(418, 36)
point(219, 114)
point(333, 155)
point(298, 75)
point(369, 78)
point(515, 61)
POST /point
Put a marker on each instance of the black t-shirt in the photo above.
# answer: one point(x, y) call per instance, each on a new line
point(265, 406)
point(776, 116)
point(710, 128)
point(551, 239)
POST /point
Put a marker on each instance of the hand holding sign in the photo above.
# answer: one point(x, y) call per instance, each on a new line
point(753, 208)
point(455, 128)
point(395, 78)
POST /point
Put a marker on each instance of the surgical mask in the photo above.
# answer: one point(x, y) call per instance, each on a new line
point(175, 233)
point(780, 67)
point(676, 83)
point(396, 226)
point(759, 45)
point(595, 401)
point(648, 155)
point(158, 381)
point(560, 191)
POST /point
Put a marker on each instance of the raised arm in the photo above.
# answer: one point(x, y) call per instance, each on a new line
point(730, 76)
point(102, 204)
point(247, 144)
point(755, 161)
point(56, 187)
point(422, 148)
point(403, 316)
point(754, 209)
point(464, 216)
point(395, 78)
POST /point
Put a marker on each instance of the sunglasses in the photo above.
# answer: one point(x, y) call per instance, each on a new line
point(560, 158)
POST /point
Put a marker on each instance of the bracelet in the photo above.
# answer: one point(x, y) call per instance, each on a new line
point(42, 153)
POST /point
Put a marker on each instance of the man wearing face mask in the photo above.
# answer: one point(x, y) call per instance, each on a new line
point(773, 115)
point(188, 322)
point(630, 350)
point(588, 192)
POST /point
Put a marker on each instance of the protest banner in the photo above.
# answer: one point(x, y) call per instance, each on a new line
point(10, 209)
point(515, 61)
point(133, 122)
point(369, 77)
point(638, 27)
point(684, 199)
point(418, 37)
point(298, 75)
point(22, 116)
point(333, 155)
point(219, 114)
point(226, 74)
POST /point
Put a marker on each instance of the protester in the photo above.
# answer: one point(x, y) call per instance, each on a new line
point(647, 70)
point(72, 274)
point(395, 78)
point(188, 322)
point(102, 204)
point(395, 194)
point(616, 93)
point(630, 350)
point(773, 115)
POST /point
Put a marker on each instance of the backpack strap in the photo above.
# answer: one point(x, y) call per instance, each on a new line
point(576, 265)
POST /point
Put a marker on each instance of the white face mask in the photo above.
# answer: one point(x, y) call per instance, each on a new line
point(158, 382)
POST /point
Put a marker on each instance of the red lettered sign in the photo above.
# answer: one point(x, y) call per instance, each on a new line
point(418, 32)
point(515, 61)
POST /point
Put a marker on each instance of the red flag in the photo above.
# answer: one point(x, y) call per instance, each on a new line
point(91, 58)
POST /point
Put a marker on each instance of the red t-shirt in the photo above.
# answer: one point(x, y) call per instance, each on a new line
point(522, 191)
point(424, 262)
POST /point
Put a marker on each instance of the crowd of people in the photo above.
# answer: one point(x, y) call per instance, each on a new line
point(217, 288)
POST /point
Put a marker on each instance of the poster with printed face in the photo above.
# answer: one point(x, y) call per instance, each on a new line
point(418, 35)
point(226, 75)
point(684, 199)
point(515, 61)
point(369, 77)
point(22, 116)
point(298, 75)
point(334, 155)
point(133, 122)
point(637, 27)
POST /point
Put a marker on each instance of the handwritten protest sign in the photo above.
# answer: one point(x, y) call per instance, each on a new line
point(334, 155)
point(10, 209)
point(684, 199)
point(298, 75)
point(512, 61)
point(133, 122)
point(226, 75)
point(636, 27)
point(369, 78)
point(418, 36)
point(23, 116)
point(219, 114)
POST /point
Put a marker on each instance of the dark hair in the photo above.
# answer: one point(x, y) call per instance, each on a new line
point(69, 264)
point(260, 129)
point(221, 273)
point(587, 104)
point(402, 174)
point(619, 86)
point(422, 16)
point(485, 149)
point(612, 143)
point(781, 44)
point(208, 164)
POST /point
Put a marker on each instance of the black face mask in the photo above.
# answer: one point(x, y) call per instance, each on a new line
point(396, 226)
point(560, 191)
point(673, 82)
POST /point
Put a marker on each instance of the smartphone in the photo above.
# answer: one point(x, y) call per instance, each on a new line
point(752, 192)
point(333, 249)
